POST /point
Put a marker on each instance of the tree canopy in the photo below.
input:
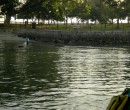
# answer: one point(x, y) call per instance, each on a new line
point(101, 10)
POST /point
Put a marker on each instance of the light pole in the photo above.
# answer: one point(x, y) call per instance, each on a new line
point(49, 18)
point(57, 18)
point(66, 19)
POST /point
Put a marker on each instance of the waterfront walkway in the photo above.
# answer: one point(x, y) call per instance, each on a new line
point(9, 36)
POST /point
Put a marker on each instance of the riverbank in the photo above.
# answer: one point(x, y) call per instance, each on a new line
point(77, 37)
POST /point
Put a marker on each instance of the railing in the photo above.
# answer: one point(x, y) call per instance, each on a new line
point(61, 26)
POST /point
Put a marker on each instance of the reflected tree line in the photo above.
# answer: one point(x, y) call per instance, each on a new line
point(103, 11)
point(20, 75)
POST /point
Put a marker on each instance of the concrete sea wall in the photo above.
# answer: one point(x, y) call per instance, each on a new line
point(76, 37)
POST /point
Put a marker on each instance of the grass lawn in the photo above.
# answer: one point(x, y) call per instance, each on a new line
point(84, 27)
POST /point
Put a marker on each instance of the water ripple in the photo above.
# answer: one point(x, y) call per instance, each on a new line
point(61, 78)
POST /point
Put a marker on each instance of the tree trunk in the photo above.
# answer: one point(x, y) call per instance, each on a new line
point(128, 20)
point(38, 20)
point(27, 20)
point(7, 20)
point(66, 22)
point(71, 21)
point(117, 23)
point(95, 22)
point(112, 21)
point(87, 21)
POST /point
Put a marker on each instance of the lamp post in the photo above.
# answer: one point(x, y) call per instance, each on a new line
point(66, 19)
point(49, 18)
point(57, 18)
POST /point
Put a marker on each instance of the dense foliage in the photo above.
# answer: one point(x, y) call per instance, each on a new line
point(103, 11)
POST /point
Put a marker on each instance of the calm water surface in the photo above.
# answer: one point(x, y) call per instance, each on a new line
point(45, 77)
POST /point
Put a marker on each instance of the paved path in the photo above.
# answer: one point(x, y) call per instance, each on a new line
point(8, 36)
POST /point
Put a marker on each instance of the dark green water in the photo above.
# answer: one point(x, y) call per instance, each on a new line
point(46, 77)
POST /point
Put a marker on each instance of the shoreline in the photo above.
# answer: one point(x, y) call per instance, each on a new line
point(76, 37)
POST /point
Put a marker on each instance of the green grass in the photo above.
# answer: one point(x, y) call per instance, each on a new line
point(69, 26)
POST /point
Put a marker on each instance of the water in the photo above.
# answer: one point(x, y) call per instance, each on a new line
point(46, 77)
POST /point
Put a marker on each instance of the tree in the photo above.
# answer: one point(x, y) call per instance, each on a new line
point(31, 9)
point(84, 11)
point(42, 9)
point(118, 9)
point(95, 14)
point(80, 10)
point(127, 8)
point(9, 8)
point(2, 2)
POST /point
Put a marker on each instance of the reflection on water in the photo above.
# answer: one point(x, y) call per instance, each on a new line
point(61, 78)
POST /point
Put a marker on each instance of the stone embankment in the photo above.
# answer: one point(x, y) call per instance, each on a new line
point(76, 37)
